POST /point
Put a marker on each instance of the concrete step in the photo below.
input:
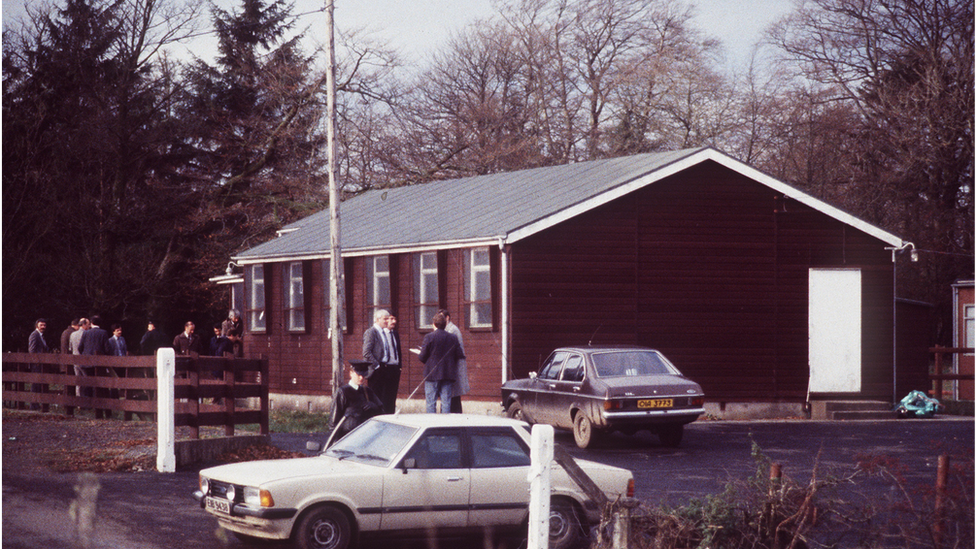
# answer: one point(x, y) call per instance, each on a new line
point(851, 410)
point(862, 414)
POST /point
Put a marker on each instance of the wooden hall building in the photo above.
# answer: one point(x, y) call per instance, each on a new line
point(759, 292)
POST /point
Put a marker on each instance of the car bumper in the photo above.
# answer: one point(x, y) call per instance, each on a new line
point(244, 510)
point(637, 417)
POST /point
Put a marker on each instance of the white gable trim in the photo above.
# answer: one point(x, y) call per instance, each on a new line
point(688, 162)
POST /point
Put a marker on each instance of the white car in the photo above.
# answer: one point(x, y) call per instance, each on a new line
point(404, 475)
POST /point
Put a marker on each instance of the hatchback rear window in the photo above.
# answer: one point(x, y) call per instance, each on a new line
point(631, 363)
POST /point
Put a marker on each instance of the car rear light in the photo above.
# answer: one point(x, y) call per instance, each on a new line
point(698, 401)
point(612, 404)
point(630, 488)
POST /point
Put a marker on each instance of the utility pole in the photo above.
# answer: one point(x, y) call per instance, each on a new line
point(336, 286)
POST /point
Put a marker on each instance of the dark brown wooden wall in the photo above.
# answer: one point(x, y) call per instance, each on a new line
point(301, 363)
point(707, 266)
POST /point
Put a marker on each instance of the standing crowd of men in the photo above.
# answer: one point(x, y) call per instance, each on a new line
point(375, 381)
point(85, 336)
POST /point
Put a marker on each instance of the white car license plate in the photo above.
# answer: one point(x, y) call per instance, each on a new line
point(219, 505)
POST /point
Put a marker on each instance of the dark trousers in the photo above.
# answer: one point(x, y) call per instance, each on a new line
point(385, 382)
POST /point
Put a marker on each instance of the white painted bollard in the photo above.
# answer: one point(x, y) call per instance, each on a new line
point(539, 488)
point(165, 410)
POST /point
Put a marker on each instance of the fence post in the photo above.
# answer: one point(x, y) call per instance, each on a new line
point(165, 410)
point(539, 488)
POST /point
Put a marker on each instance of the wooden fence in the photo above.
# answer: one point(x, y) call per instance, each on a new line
point(938, 376)
point(207, 389)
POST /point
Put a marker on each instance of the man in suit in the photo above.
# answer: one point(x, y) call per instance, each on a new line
point(36, 344)
point(188, 343)
point(116, 343)
point(391, 381)
point(384, 364)
point(95, 339)
point(94, 342)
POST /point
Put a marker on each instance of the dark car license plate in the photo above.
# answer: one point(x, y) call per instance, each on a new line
point(219, 505)
point(655, 403)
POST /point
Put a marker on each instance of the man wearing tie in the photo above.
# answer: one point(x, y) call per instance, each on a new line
point(381, 353)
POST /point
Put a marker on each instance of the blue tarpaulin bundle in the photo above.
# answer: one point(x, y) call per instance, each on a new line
point(918, 404)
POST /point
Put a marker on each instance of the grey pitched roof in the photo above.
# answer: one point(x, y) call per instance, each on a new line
point(505, 206)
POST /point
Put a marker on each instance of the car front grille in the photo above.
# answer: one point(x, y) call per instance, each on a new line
point(218, 489)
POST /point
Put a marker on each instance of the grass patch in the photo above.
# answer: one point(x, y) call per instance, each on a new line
point(292, 421)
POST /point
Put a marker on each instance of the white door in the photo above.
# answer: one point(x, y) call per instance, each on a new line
point(835, 330)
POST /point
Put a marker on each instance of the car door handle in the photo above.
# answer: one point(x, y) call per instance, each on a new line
point(552, 385)
point(454, 479)
point(576, 389)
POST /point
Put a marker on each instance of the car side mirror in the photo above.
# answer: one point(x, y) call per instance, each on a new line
point(409, 463)
point(533, 375)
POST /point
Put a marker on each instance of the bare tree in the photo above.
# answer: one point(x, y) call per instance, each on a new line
point(906, 69)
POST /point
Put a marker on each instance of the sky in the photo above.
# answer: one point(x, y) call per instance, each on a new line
point(415, 27)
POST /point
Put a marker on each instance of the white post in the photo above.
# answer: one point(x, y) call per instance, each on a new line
point(165, 410)
point(539, 489)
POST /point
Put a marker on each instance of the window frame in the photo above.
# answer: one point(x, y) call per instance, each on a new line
point(426, 300)
point(257, 291)
point(472, 300)
point(291, 308)
point(374, 279)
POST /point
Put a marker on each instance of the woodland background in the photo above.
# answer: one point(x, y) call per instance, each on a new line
point(130, 177)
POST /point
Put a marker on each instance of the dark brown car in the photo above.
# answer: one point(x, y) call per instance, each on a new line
point(602, 389)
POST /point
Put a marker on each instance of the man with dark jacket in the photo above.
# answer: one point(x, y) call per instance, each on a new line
point(440, 354)
point(353, 403)
point(188, 343)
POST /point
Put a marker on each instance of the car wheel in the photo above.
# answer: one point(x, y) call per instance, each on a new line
point(670, 435)
point(323, 528)
point(515, 412)
point(583, 431)
point(564, 525)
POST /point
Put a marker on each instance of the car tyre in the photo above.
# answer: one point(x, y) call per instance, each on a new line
point(323, 528)
point(564, 525)
point(583, 431)
point(515, 412)
point(670, 435)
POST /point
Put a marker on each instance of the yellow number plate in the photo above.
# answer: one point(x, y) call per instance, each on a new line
point(656, 403)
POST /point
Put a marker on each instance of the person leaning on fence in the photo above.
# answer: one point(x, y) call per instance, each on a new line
point(153, 340)
point(232, 324)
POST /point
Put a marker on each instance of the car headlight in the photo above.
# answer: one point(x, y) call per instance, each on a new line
point(205, 485)
point(257, 497)
point(231, 493)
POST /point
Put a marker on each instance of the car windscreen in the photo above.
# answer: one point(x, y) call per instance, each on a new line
point(374, 443)
point(631, 363)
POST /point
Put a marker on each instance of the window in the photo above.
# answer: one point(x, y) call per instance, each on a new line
point(553, 366)
point(326, 285)
point(377, 285)
point(425, 287)
point(967, 319)
point(294, 286)
point(573, 371)
point(255, 307)
point(498, 450)
point(437, 451)
point(477, 283)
